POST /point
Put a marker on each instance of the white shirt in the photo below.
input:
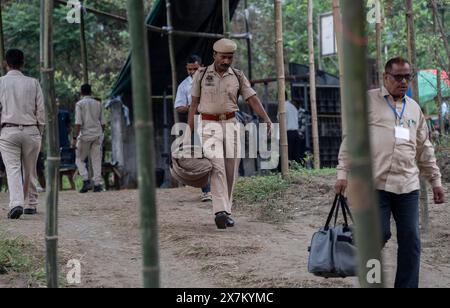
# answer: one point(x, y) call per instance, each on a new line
point(184, 97)
point(291, 116)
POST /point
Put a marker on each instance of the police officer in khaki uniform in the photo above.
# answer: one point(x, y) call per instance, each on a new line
point(89, 131)
point(215, 93)
point(22, 124)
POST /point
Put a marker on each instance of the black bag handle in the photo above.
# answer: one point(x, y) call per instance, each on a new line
point(330, 215)
point(346, 208)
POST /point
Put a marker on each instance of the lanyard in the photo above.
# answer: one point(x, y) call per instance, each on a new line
point(399, 116)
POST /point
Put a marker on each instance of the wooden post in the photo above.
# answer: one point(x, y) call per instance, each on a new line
point(312, 86)
point(142, 102)
point(53, 155)
point(84, 57)
point(2, 43)
point(379, 45)
point(173, 63)
point(226, 18)
point(338, 27)
point(361, 187)
point(281, 88)
point(249, 43)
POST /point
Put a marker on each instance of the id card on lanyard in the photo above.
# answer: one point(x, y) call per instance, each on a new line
point(400, 131)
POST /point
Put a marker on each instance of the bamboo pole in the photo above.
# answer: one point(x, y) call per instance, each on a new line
point(415, 95)
point(361, 187)
point(379, 45)
point(249, 43)
point(173, 63)
point(338, 28)
point(438, 80)
point(312, 86)
point(281, 88)
point(84, 57)
point(142, 103)
point(440, 26)
point(226, 18)
point(2, 43)
point(53, 155)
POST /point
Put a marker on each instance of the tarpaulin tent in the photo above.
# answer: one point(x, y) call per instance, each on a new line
point(428, 88)
point(203, 16)
point(194, 16)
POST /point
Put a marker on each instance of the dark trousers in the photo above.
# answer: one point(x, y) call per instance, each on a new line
point(405, 209)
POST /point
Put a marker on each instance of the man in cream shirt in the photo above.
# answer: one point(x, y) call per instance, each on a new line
point(22, 124)
point(89, 125)
point(400, 149)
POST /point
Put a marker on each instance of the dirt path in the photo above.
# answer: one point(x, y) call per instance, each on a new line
point(102, 231)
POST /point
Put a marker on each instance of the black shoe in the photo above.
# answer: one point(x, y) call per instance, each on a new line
point(230, 222)
point(15, 213)
point(30, 211)
point(98, 188)
point(221, 220)
point(86, 187)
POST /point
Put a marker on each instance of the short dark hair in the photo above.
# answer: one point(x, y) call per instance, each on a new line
point(193, 59)
point(15, 58)
point(396, 60)
point(86, 89)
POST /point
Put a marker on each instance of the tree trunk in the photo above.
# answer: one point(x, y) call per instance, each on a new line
point(312, 86)
point(226, 18)
point(281, 88)
point(442, 31)
point(53, 155)
point(173, 63)
point(361, 188)
point(142, 102)
point(84, 57)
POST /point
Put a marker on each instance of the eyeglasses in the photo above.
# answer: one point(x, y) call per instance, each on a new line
point(399, 77)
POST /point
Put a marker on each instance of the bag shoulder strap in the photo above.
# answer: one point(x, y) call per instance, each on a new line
point(330, 215)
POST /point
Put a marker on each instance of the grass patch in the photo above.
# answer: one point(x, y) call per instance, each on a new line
point(19, 262)
point(264, 195)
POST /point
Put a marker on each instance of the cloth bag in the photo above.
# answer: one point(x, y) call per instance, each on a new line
point(332, 253)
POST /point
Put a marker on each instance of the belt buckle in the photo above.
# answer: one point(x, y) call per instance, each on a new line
point(223, 117)
point(21, 127)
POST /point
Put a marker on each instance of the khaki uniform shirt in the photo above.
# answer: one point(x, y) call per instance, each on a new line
point(396, 162)
point(88, 114)
point(21, 99)
point(218, 94)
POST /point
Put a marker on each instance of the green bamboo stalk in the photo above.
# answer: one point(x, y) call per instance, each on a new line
point(142, 102)
point(312, 86)
point(379, 45)
point(53, 155)
point(83, 45)
point(226, 18)
point(281, 88)
point(361, 187)
point(2, 43)
point(412, 55)
point(173, 63)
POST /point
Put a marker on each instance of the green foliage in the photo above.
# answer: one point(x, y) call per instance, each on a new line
point(12, 256)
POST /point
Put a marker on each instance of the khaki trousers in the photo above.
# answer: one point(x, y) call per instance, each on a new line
point(93, 149)
point(221, 145)
point(20, 148)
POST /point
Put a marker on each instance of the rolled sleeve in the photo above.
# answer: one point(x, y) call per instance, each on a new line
point(196, 88)
point(342, 168)
point(40, 107)
point(78, 118)
point(246, 88)
point(426, 158)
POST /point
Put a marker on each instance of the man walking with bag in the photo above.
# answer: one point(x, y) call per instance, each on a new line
point(400, 148)
point(215, 93)
point(22, 124)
